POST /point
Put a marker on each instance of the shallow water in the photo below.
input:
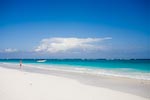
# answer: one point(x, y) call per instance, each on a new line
point(139, 69)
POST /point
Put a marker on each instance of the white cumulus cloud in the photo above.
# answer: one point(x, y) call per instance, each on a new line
point(57, 44)
point(9, 50)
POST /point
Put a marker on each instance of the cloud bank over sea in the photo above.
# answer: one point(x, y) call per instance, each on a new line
point(59, 44)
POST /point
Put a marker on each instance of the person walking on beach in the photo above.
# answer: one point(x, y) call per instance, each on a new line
point(20, 64)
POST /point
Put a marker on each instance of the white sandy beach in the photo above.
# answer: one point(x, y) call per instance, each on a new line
point(21, 85)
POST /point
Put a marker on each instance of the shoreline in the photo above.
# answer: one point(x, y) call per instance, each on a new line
point(139, 75)
point(132, 86)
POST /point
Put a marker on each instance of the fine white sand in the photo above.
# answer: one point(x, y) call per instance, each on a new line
point(21, 85)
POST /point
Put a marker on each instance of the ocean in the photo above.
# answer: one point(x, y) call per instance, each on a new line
point(133, 68)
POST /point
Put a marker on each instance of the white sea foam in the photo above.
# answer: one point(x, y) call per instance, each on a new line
point(120, 72)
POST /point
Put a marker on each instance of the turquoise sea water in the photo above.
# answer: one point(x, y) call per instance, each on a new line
point(139, 68)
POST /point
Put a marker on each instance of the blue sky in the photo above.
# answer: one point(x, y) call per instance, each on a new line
point(112, 28)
